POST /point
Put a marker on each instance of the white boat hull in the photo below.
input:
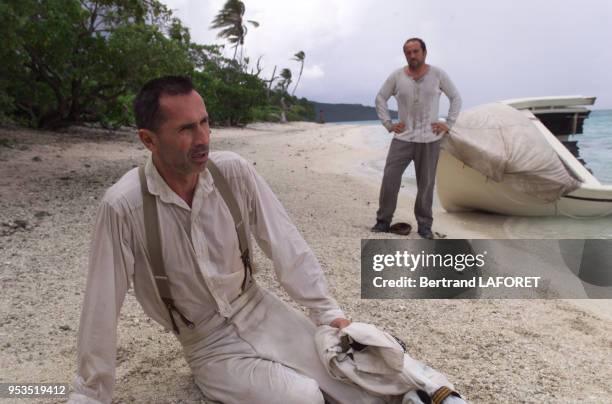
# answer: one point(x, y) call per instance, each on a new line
point(462, 188)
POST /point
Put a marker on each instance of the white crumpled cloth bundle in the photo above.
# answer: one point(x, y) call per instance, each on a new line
point(503, 144)
point(381, 368)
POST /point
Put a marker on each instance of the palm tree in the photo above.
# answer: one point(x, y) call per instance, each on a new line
point(299, 57)
point(233, 25)
point(284, 85)
point(286, 76)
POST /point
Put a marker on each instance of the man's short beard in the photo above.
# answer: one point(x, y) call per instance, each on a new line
point(416, 64)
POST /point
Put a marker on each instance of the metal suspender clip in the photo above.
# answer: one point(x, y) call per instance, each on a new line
point(246, 259)
point(171, 307)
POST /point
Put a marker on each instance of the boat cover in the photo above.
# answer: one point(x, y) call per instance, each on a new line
point(504, 145)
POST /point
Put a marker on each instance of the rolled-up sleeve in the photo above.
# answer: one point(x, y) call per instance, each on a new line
point(107, 284)
point(295, 265)
point(447, 86)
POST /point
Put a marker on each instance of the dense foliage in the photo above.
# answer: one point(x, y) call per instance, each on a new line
point(72, 61)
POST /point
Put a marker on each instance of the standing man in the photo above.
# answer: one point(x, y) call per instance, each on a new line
point(417, 135)
point(243, 344)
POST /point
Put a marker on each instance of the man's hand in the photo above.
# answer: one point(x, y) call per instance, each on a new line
point(340, 323)
point(398, 127)
point(439, 128)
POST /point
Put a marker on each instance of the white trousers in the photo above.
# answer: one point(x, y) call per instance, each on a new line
point(264, 353)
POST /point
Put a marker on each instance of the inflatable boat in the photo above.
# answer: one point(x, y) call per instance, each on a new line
point(482, 160)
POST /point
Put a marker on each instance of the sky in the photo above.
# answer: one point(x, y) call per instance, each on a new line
point(492, 50)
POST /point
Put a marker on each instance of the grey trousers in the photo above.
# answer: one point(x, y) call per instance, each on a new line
point(264, 353)
point(425, 156)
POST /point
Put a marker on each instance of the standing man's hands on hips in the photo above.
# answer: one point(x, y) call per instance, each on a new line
point(398, 127)
point(439, 128)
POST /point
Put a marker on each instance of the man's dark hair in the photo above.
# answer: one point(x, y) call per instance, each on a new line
point(146, 105)
point(420, 41)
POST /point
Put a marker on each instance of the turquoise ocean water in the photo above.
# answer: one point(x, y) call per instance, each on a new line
point(595, 143)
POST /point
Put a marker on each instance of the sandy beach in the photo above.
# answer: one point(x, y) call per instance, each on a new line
point(492, 350)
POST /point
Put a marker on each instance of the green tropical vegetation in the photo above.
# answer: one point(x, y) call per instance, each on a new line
point(67, 62)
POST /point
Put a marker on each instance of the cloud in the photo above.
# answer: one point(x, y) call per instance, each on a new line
point(492, 50)
point(313, 72)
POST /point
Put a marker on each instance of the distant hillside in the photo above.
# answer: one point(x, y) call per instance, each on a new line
point(346, 112)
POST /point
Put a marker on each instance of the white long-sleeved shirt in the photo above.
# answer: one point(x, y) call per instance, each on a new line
point(418, 103)
point(201, 257)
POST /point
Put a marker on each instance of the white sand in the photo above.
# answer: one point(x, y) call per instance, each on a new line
point(493, 350)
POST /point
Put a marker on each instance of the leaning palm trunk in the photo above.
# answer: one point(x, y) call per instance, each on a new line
point(299, 57)
point(297, 82)
point(283, 117)
point(270, 84)
point(299, 77)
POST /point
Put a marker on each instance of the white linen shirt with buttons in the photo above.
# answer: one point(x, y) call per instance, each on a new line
point(418, 103)
point(201, 256)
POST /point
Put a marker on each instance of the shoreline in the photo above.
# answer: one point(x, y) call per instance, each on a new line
point(512, 226)
point(492, 350)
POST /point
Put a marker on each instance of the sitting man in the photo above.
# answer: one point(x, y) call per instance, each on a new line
point(175, 230)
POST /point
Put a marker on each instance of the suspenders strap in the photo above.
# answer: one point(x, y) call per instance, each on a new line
point(151, 223)
point(230, 201)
